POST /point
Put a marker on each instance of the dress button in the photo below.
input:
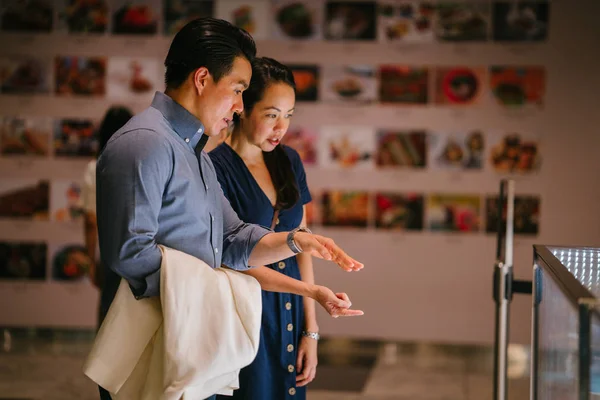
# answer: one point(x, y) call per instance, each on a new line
point(187, 140)
point(290, 368)
point(290, 327)
point(290, 348)
point(288, 306)
point(292, 391)
point(281, 265)
point(277, 222)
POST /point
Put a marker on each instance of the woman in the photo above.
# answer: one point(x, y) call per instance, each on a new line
point(114, 119)
point(266, 184)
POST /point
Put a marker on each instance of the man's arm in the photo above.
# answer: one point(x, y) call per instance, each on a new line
point(246, 245)
point(131, 176)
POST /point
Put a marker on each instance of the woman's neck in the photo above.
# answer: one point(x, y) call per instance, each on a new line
point(248, 152)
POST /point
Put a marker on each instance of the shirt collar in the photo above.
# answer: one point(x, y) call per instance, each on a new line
point(188, 127)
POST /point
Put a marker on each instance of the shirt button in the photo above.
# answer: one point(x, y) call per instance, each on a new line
point(288, 306)
point(292, 391)
point(290, 348)
point(206, 187)
point(290, 368)
point(290, 327)
point(281, 265)
point(187, 140)
point(212, 218)
point(216, 250)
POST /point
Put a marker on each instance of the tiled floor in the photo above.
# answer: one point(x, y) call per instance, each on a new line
point(46, 365)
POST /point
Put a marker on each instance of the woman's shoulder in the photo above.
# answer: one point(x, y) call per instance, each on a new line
point(221, 155)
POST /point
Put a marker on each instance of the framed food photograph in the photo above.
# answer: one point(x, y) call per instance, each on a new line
point(342, 208)
point(25, 136)
point(23, 260)
point(459, 213)
point(297, 19)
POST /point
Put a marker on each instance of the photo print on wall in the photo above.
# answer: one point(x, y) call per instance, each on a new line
point(27, 16)
point(25, 136)
point(80, 76)
point(406, 21)
point(349, 83)
point(400, 212)
point(461, 21)
point(515, 153)
point(350, 20)
point(457, 150)
point(526, 214)
point(345, 208)
point(345, 147)
point(83, 16)
point(135, 17)
point(399, 149)
point(25, 74)
point(453, 212)
point(304, 141)
point(177, 13)
point(518, 86)
point(297, 19)
point(23, 261)
point(459, 86)
point(24, 199)
point(521, 21)
point(403, 84)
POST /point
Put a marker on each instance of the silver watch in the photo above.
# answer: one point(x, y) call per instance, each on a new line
point(292, 243)
point(312, 335)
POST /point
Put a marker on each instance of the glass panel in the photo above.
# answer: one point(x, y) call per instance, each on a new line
point(583, 263)
point(558, 344)
point(595, 367)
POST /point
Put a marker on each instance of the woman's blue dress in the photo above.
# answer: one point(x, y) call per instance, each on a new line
point(272, 375)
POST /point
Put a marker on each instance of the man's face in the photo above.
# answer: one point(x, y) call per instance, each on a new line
point(222, 99)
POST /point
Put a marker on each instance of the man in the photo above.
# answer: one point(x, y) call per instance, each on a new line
point(155, 185)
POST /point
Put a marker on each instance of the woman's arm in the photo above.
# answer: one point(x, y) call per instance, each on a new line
point(307, 275)
point(91, 238)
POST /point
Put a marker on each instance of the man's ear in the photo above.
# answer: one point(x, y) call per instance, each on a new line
point(200, 77)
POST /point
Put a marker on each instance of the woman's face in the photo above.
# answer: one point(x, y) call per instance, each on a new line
point(270, 118)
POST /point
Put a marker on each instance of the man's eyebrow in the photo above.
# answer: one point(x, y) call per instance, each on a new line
point(243, 83)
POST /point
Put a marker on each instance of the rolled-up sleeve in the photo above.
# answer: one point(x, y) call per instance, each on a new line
point(239, 238)
point(131, 177)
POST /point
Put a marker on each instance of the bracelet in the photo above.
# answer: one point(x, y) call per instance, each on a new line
point(312, 335)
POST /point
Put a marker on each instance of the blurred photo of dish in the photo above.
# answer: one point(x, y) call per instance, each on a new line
point(136, 17)
point(458, 85)
point(307, 79)
point(27, 16)
point(514, 153)
point(295, 19)
point(23, 260)
point(518, 86)
point(25, 199)
point(85, 16)
point(177, 13)
point(462, 21)
point(357, 83)
point(406, 21)
point(71, 263)
point(351, 20)
point(521, 21)
point(25, 136)
point(24, 74)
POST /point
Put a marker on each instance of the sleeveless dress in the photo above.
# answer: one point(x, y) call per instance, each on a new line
point(272, 375)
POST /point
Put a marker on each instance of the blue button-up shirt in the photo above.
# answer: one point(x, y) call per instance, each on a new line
point(153, 188)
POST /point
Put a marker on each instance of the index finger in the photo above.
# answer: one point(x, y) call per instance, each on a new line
point(350, 313)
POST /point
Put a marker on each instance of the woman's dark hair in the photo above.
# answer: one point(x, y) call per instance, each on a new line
point(265, 72)
point(206, 42)
point(114, 119)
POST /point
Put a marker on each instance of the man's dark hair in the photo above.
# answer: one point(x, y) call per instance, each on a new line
point(206, 42)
